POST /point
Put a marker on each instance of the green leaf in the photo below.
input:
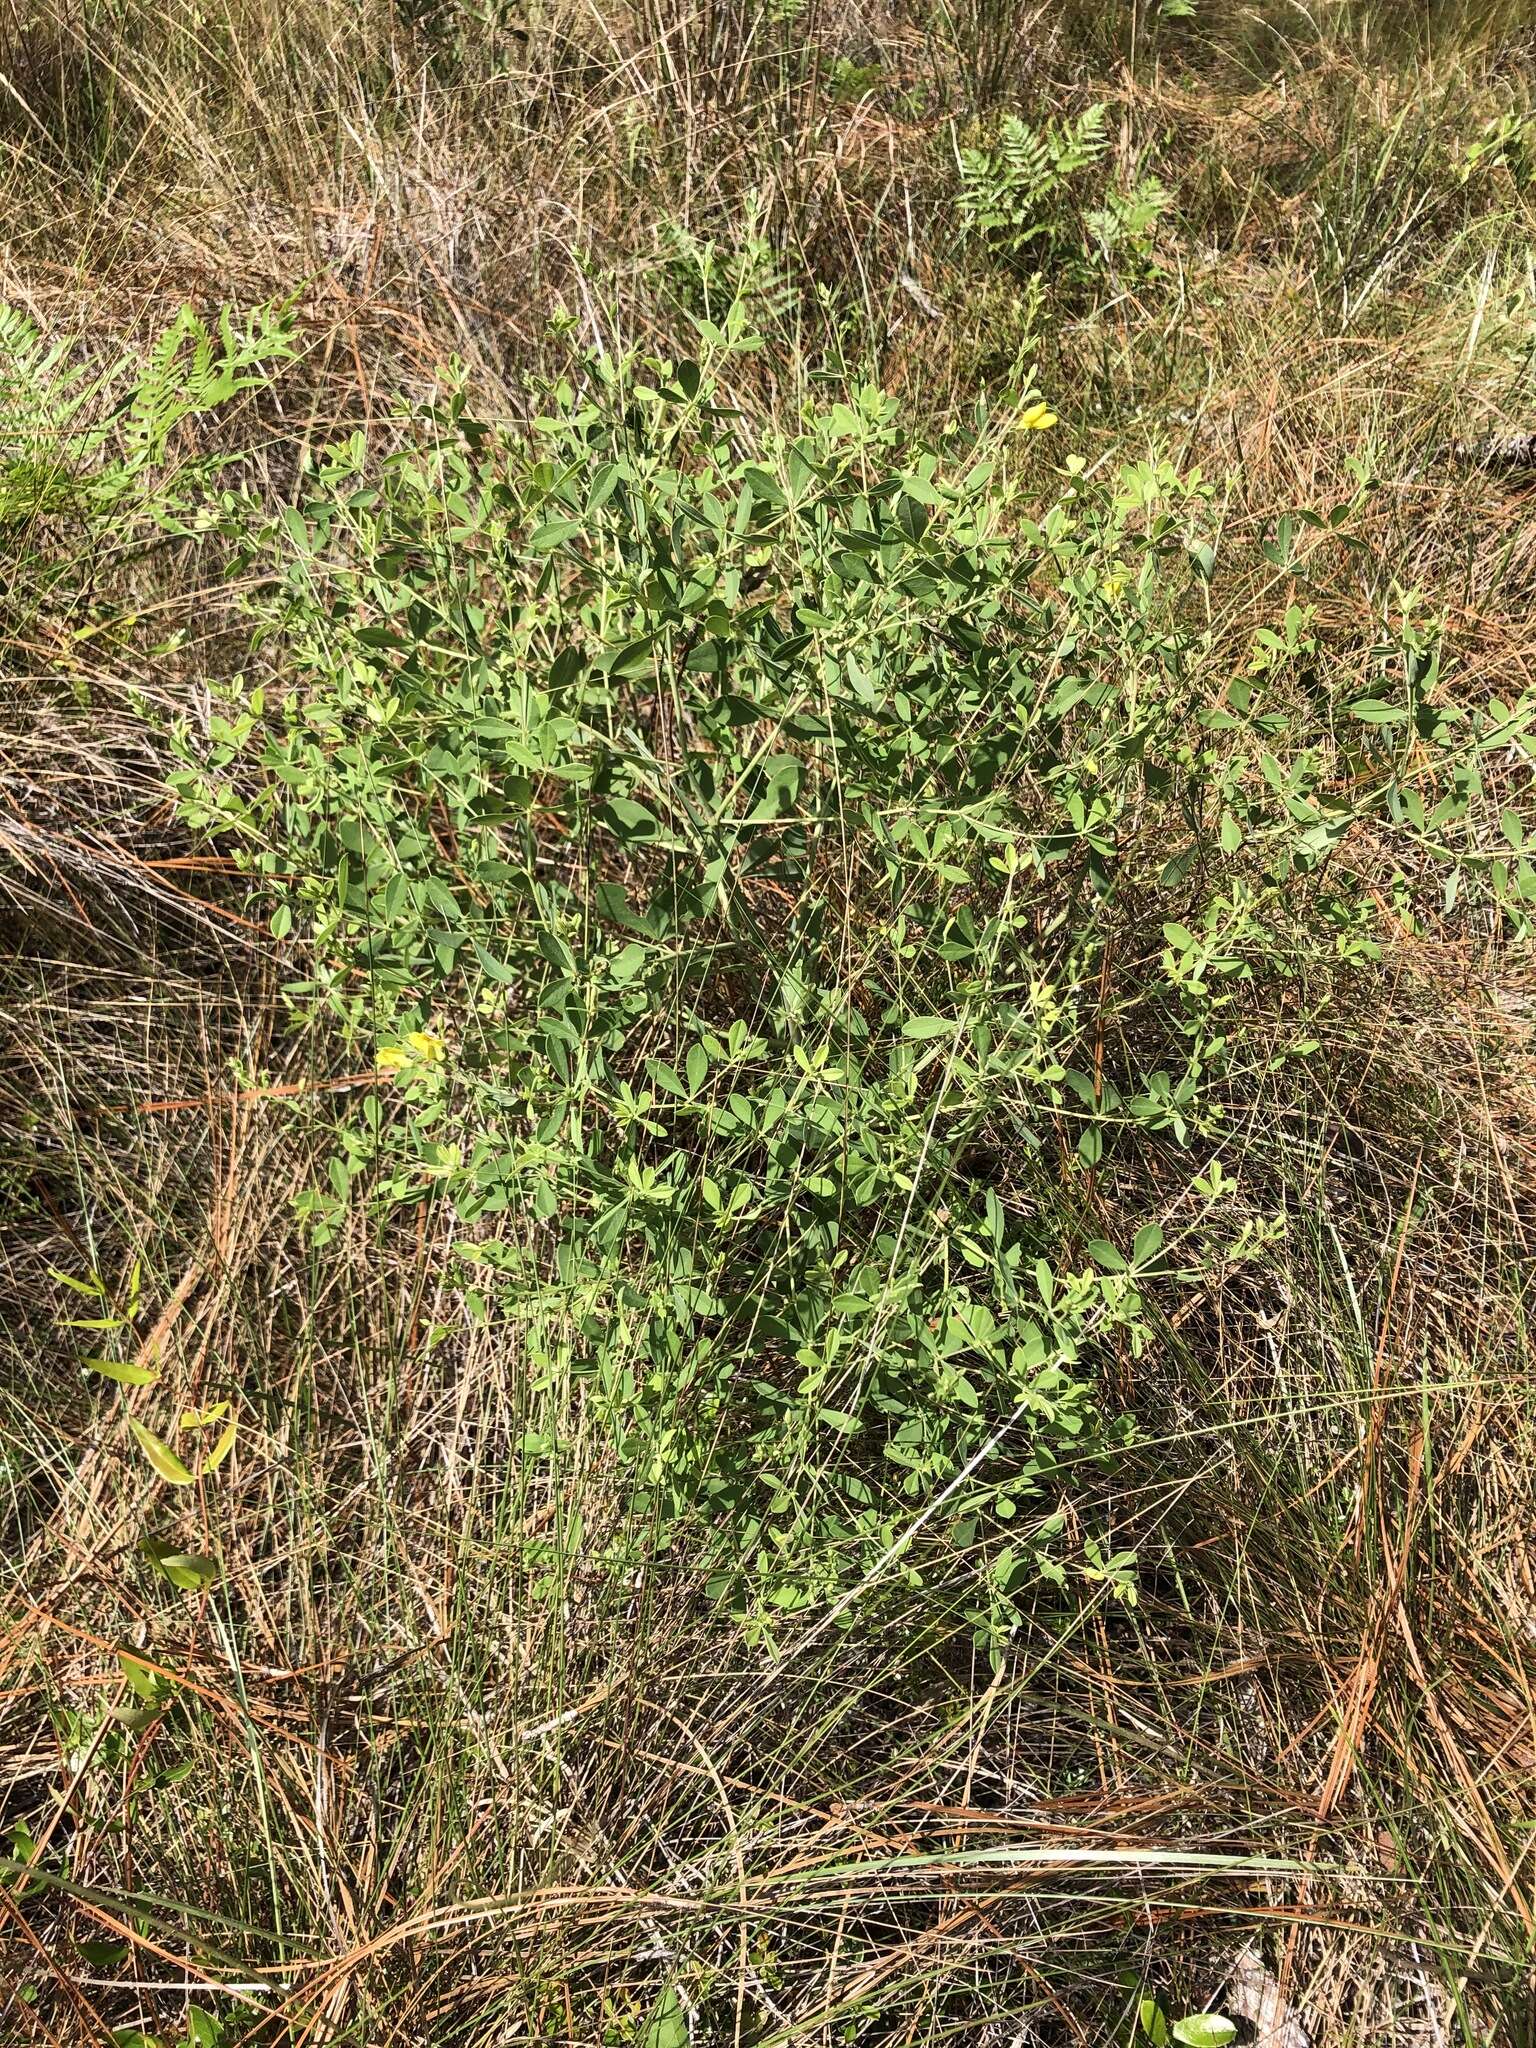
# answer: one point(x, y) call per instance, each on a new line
point(220, 1451)
point(555, 951)
point(668, 2026)
point(103, 1955)
point(125, 1374)
point(1204, 2030)
point(186, 1569)
point(629, 962)
point(92, 1287)
point(1147, 1245)
point(160, 1455)
point(1154, 2022)
point(927, 1027)
point(840, 1420)
point(498, 970)
point(148, 1684)
point(634, 658)
point(1375, 711)
point(631, 821)
point(200, 1418)
point(1176, 869)
point(552, 534)
point(603, 486)
point(1104, 1254)
point(764, 489)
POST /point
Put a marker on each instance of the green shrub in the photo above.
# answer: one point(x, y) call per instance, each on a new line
point(813, 915)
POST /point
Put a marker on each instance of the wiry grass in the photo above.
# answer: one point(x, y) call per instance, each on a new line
point(429, 1776)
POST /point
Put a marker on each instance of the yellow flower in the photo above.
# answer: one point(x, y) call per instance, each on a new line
point(421, 1048)
point(1034, 419)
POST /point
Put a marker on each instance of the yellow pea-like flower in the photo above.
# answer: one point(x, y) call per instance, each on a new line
point(421, 1049)
point(1034, 419)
